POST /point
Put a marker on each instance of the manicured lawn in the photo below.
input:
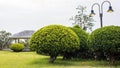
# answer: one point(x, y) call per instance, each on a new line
point(32, 60)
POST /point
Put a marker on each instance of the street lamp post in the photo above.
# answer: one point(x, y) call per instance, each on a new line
point(101, 10)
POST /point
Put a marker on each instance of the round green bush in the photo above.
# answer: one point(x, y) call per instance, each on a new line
point(53, 40)
point(83, 36)
point(17, 47)
point(106, 40)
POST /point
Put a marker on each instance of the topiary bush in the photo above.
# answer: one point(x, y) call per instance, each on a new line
point(83, 36)
point(53, 40)
point(17, 47)
point(83, 47)
point(106, 40)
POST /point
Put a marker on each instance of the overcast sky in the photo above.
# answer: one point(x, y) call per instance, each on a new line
point(19, 15)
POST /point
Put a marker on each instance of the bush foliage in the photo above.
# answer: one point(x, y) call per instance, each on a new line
point(17, 47)
point(107, 41)
point(53, 40)
point(83, 36)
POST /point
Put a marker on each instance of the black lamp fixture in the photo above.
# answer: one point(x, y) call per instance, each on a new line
point(101, 10)
point(92, 13)
point(110, 9)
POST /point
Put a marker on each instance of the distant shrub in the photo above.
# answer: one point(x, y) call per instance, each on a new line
point(17, 47)
point(53, 40)
point(106, 41)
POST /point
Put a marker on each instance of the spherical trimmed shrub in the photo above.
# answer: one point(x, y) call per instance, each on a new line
point(17, 47)
point(83, 36)
point(53, 40)
point(106, 40)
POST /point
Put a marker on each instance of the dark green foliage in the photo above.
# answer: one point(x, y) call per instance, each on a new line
point(17, 47)
point(53, 40)
point(106, 41)
point(83, 36)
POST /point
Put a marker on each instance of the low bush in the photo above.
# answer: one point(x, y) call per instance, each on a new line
point(17, 47)
point(106, 42)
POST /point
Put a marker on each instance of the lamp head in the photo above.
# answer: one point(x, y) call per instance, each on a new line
point(110, 9)
point(92, 13)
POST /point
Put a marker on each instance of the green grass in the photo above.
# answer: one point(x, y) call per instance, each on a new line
point(32, 60)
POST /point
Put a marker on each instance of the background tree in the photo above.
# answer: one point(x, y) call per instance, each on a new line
point(82, 19)
point(4, 40)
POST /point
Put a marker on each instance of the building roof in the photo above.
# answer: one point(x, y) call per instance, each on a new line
point(26, 34)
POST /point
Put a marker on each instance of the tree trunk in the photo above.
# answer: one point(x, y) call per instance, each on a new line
point(1, 47)
point(52, 59)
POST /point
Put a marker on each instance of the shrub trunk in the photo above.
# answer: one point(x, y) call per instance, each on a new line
point(112, 60)
point(52, 59)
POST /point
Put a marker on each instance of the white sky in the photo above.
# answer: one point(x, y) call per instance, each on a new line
point(19, 15)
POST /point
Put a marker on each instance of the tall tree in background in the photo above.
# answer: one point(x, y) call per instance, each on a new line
point(4, 40)
point(82, 19)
